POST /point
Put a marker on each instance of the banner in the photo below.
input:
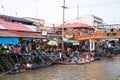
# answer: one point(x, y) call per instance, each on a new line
point(44, 33)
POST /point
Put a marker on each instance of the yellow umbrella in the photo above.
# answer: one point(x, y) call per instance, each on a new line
point(52, 43)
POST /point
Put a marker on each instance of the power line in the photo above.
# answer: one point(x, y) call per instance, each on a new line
point(2, 6)
point(97, 4)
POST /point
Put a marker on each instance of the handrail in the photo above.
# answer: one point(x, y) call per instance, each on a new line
point(96, 35)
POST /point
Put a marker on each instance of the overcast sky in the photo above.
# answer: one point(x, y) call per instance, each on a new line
point(51, 11)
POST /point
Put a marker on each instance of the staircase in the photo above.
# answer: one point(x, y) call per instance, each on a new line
point(6, 62)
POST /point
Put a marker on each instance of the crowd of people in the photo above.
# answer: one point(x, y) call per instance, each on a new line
point(41, 54)
point(70, 52)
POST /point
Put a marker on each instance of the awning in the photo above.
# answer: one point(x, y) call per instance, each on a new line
point(55, 38)
point(27, 34)
point(27, 38)
point(4, 33)
point(9, 40)
point(72, 41)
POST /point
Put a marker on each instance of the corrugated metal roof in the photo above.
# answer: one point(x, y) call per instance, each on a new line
point(13, 26)
point(4, 33)
point(12, 33)
point(27, 34)
point(16, 19)
point(97, 17)
point(74, 25)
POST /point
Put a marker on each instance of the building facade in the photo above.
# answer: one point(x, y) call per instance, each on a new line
point(91, 20)
point(38, 22)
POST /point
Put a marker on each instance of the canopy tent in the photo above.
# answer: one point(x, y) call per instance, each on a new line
point(9, 40)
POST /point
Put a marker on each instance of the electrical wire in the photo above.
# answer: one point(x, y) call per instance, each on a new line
point(2, 6)
point(96, 4)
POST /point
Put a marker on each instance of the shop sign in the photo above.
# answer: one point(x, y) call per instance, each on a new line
point(75, 43)
point(44, 33)
point(111, 34)
point(69, 36)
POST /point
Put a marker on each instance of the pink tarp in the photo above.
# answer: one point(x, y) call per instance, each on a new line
point(73, 25)
point(13, 26)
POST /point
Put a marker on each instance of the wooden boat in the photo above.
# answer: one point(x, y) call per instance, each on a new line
point(41, 65)
point(79, 62)
point(70, 63)
point(47, 65)
point(66, 63)
point(18, 71)
point(97, 58)
point(14, 72)
point(117, 77)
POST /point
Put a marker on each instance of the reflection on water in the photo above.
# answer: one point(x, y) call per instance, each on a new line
point(105, 69)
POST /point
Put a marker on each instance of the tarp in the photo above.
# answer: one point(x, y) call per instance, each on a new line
point(27, 38)
point(9, 40)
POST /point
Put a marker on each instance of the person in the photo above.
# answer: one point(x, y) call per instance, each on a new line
point(73, 59)
point(28, 65)
point(76, 52)
point(3, 50)
point(92, 54)
point(87, 58)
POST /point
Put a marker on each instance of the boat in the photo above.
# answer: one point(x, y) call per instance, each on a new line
point(47, 64)
point(66, 63)
point(97, 58)
point(117, 77)
point(78, 62)
point(14, 72)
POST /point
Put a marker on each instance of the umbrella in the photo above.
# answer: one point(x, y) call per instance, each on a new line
point(52, 43)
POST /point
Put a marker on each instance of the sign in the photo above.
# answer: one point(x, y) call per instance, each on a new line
point(111, 34)
point(75, 43)
point(44, 33)
point(70, 29)
point(44, 40)
point(45, 28)
point(69, 36)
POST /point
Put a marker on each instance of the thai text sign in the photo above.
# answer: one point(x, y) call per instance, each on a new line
point(111, 34)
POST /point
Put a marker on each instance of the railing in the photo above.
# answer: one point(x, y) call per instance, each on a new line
point(97, 35)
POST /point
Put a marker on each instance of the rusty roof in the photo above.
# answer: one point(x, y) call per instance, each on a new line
point(13, 33)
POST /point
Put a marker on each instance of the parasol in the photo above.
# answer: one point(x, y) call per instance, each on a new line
point(52, 43)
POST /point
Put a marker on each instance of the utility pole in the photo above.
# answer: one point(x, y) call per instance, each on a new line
point(78, 12)
point(63, 18)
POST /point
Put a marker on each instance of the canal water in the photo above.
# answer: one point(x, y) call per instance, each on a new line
point(105, 69)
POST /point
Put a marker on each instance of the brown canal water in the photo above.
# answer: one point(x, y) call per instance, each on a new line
point(105, 69)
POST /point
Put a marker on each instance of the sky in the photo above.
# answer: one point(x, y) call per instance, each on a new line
point(51, 10)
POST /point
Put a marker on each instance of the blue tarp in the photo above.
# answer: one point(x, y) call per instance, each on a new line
point(9, 40)
point(33, 38)
point(27, 38)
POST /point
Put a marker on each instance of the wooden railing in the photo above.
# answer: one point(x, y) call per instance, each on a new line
point(97, 36)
